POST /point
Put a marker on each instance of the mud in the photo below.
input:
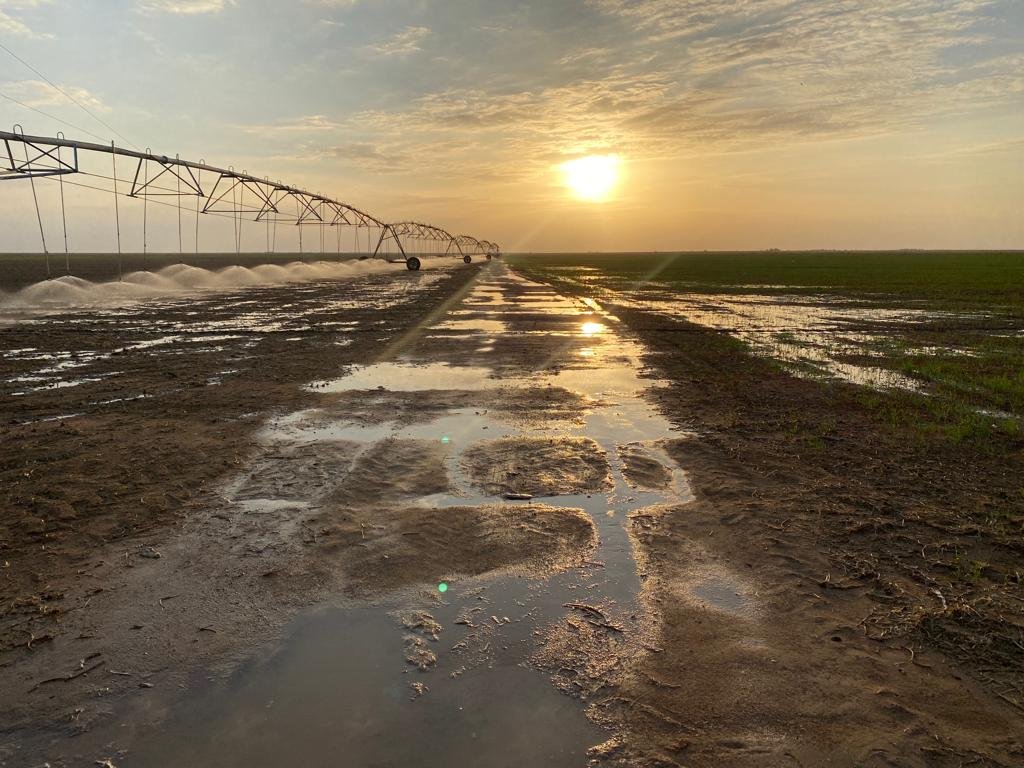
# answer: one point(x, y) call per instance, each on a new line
point(645, 467)
point(513, 405)
point(553, 466)
point(379, 549)
point(801, 583)
point(299, 473)
point(391, 470)
point(327, 565)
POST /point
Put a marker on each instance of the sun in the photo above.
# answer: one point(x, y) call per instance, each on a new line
point(592, 178)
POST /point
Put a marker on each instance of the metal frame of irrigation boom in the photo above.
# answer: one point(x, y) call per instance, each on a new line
point(234, 193)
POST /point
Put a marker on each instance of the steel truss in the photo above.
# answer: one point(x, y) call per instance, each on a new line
point(471, 246)
point(417, 233)
point(42, 158)
point(228, 191)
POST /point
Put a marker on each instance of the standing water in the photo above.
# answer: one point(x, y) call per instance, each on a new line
point(342, 688)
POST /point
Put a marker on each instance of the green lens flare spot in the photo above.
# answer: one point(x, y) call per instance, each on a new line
point(442, 587)
point(446, 439)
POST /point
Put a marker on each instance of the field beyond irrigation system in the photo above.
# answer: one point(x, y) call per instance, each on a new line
point(755, 509)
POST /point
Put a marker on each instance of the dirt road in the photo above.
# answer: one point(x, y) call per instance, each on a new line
point(398, 520)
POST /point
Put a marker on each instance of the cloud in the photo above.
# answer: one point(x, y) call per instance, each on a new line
point(185, 7)
point(365, 155)
point(658, 79)
point(11, 26)
point(666, 20)
point(994, 149)
point(687, 76)
point(402, 43)
point(15, 27)
point(36, 93)
point(586, 56)
point(299, 124)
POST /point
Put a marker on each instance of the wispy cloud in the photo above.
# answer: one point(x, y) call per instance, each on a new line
point(363, 154)
point(14, 26)
point(36, 93)
point(185, 7)
point(296, 125)
point(402, 43)
point(992, 149)
point(452, 94)
point(11, 26)
point(686, 76)
point(664, 20)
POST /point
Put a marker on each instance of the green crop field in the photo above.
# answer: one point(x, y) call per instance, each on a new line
point(987, 279)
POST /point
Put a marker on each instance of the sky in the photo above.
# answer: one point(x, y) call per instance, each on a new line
point(734, 124)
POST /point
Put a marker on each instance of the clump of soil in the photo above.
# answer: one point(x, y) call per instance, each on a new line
point(394, 469)
point(298, 473)
point(540, 466)
point(422, 623)
point(418, 654)
point(641, 470)
point(379, 548)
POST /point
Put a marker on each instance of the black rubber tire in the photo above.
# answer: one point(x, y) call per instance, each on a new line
point(467, 259)
point(412, 263)
point(489, 257)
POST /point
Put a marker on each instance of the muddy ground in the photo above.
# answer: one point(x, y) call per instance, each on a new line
point(201, 491)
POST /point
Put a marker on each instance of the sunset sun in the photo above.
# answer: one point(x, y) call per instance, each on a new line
point(592, 178)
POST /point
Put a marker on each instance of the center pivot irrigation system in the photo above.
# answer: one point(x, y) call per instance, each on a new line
point(222, 192)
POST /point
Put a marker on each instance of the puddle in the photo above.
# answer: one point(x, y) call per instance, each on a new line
point(167, 326)
point(339, 683)
point(339, 687)
point(810, 334)
point(406, 377)
point(52, 384)
point(473, 326)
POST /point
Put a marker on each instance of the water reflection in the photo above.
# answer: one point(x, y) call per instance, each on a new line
point(815, 336)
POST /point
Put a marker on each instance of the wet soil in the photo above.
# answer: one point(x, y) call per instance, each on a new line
point(885, 569)
point(538, 466)
point(344, 494)
point(103, 460)
point(379, 549)
point(313, 555)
